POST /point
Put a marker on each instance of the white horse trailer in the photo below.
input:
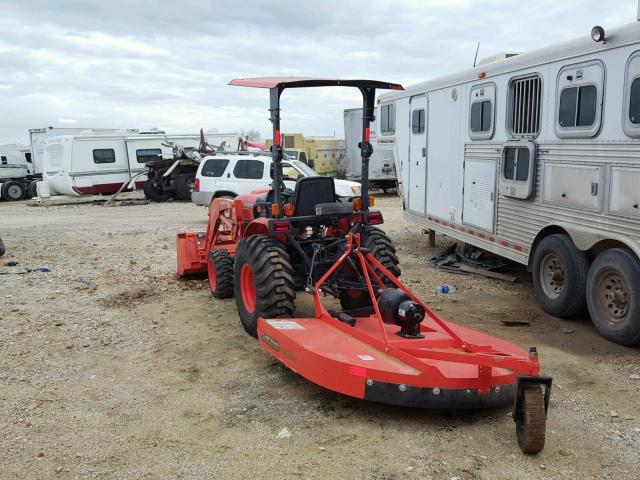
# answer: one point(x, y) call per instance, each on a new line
point(535, 158)
point(16, 172)
point(382, 166)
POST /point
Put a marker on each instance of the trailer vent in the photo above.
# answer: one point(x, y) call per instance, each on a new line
point(525, 106)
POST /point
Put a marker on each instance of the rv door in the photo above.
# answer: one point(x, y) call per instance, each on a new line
point(416, 190)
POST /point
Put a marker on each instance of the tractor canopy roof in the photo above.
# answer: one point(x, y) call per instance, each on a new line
point(299, 82)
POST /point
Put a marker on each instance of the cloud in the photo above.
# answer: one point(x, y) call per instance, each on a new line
point(141, 64)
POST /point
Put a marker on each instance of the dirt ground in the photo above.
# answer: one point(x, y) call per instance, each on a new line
point(110, 367)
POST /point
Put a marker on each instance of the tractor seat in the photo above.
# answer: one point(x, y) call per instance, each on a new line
point(311, 191)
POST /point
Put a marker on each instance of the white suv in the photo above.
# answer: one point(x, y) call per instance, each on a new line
point(228, 174)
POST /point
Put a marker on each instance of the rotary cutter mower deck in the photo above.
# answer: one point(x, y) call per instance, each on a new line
point(383, 344)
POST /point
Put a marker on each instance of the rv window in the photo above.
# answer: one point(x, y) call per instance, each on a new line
point(27, 157)
point(578, 106)
point(104, 155)
point(481, 114)
point(214, 167)
point(516, 164)
point(253, 169)
point(388, 119)
point(634, 106)
point(4, 160)
point(417, 121)
point(525, 95)
point(145, 155)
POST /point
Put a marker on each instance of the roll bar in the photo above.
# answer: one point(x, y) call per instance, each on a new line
point(277, 85)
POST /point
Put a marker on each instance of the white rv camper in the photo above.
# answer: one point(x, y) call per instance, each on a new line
point(382, 167)
point(17, 173)
point(535, 158)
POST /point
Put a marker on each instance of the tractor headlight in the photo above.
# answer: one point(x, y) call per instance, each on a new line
point(356, 189)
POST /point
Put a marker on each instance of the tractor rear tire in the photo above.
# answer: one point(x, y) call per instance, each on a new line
point(154, 192)
point(263, 281)
point(220, 272)
point(381, 247)
point(185, 186)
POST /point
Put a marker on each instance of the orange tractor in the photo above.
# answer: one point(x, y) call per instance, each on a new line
point(383, 344)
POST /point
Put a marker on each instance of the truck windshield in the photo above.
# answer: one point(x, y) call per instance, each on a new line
point(308, 171)
point(291, 154)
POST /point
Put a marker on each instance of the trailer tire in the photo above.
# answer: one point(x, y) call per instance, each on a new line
point(381, 247)
point(263, 281)
point(154, 192)
point(12, 191)
point(560, 276)
point(2, 248)
point(220, 273)
point(613, 296)
point(185, 186)
point(32, 189)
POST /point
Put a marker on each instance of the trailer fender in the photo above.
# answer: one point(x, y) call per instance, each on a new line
point(586, 239)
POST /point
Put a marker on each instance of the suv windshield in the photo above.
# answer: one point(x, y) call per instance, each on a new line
point(291, 154)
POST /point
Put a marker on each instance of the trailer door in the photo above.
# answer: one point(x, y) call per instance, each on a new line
point(417, 155)
point(479, 194)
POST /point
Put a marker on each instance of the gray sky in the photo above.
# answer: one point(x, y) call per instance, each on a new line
point(142, 64)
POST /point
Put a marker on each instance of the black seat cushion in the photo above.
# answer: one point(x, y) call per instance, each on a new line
point(311, 191)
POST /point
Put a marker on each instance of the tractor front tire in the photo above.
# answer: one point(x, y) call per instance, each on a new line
point(263, 281)
point(381, 247)
point(220, 273)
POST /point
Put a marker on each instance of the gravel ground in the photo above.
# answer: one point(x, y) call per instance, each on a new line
point(113, 368)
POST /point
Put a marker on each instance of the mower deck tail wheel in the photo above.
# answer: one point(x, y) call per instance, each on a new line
point(381, 247)
point(614, 296)
point(220, 273)
point(531, 427)
point(263, 281)
point(560, 276)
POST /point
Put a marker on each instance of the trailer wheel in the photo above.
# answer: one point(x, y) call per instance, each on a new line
point(560, 276)
point(382, 249)
point(531, 421)
point(32, 189)
point(185, 185)
point(13, 191)
point(613, 298)
point(263, 281)
point(220, 272)
point(153, 191)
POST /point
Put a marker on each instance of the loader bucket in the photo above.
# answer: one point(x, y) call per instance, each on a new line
point(192, 258)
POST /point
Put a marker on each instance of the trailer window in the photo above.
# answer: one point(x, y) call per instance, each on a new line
point(634, 102)
point(214, 167)
point(524, 113)
point(578, 106)
point(3, 159)
point(388, 119)
point(417, 121)
point(145, 155)
point(516, 164)
point(27, 157)
point(104, 155)
point(481, 114)
point(251, 169)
